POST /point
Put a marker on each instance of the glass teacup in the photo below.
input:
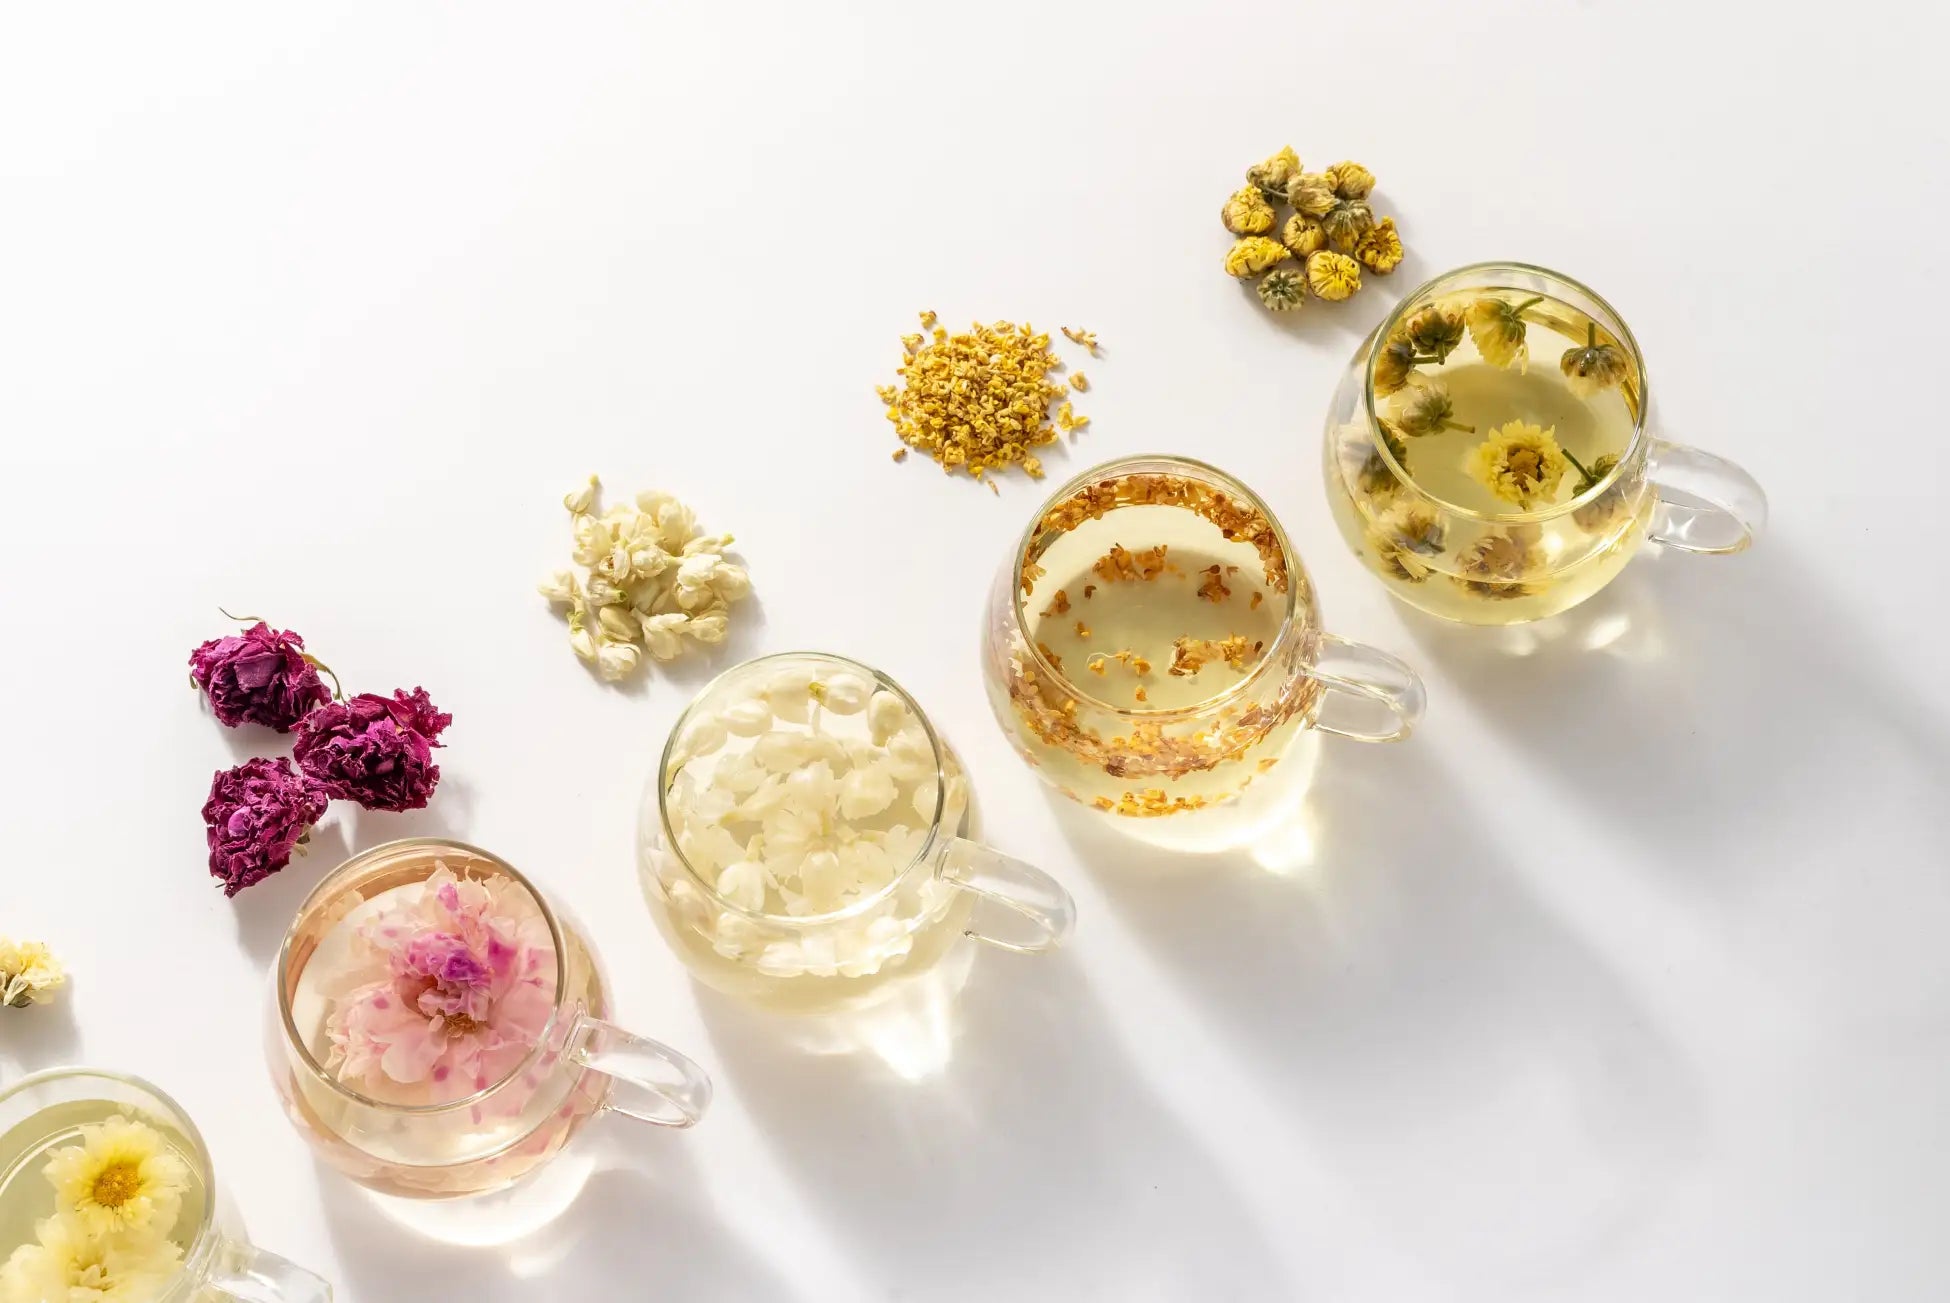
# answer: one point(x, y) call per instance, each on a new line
point(1488, 453)
point(107, 1190)
point(1153, 647)
point(801, 842)
point(437, 1027)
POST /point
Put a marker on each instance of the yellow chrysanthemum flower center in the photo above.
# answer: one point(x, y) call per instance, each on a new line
point(118, 1183)
point(1519, 463)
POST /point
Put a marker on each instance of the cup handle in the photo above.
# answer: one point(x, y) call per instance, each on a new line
point(1045, 915)
point(655, 1083)
point(250, 1275)
point(1734, 510)
point(1386, 699)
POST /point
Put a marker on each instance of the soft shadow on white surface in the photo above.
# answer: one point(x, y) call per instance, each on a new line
point(42, 1036)
point(639, 1224)
point(1474, 1074)
point(1036, 1144)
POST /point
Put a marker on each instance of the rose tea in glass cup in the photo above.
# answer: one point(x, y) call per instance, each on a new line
point(107, 1193)
point(1488, 453)
point(801, 843)
point(437, 1028)
point(1153, 646)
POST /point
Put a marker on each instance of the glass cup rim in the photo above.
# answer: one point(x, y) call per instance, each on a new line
point(1590, 495)
point(397, 846)
point(206, 1169)
point(865, 903)
point(1289, 627)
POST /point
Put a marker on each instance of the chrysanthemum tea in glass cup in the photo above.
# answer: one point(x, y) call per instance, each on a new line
point(1488, 453)
point(437, 1028)
point(1153, 646)
point(107, 1192)
point(802, 841)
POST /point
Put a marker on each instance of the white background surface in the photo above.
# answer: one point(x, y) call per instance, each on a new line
point(1625, 979)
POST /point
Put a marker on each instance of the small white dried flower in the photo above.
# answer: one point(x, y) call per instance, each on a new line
point(790, 693)
point(743, 884)
point(579, 501)
point(593, 540)
point(748, 718)
point(708, 543)
point(885, 715)
point(559, 587)
point(601, 592)
point(616, 658)
point(660, 635)
point(711, 627)
point(731, 581)
point(845, 694)
point(582, 642)
point(866, 792)
point(618, 624)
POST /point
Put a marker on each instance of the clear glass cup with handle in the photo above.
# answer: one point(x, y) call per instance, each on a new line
point(107, 1191)
point(437, 1028)
point(1491, 456)
point(803, 841)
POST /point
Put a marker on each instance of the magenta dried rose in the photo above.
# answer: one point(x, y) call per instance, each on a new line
point(259, 676)
point(257, 815)
point(375, 750)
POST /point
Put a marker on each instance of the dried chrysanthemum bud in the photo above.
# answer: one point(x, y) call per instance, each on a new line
point(1252, 254)
point(1427, 408)
point(1346, 222)
point(1602, 511)
point(1519, 462)
point(1312, 194)
point(1435, 331)
point(1380, 250)
point(1282, 289)
point(1273, 174)
point(1394, 361)
point(1247, 212)
point(1593, 368)
point(1332, 276)
point(1350, 180)
point(1303, 235)
point(1497, 327)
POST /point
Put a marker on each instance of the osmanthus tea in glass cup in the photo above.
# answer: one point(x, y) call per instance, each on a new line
point(802, 840)
point(107, 1193)
point(1153, 646)
point(437, 1028)
point(1488, 453)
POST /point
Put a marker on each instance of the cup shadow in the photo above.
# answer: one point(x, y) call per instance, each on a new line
point(1422, 1019)
point(638, 1218)
point(1033, 1150)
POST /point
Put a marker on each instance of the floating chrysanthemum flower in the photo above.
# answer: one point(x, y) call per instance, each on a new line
point(1303, 234)
point(1425, 409)
point(1247, 212)
point(257, 816)
point(65, 1264)
point(1603, 511)
point(260, 676)
point(1350, 180)
point(1501, 565)
point(1436, 331)
point(1394, 362)
point(1253, 254)
point(1282, 289)
point(29, 974)
point(1376, 478)
point(1406, 532)
point(1272, 175)
point(1332, 276)
point(1519, 462)
point(1497, 326)
point(123, 1176)
point(1312, 194)
point(1380, 250)
point(1593, 368)
point(1346, 223)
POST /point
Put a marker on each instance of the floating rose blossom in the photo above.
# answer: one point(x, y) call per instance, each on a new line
point(256, 817)
point(260, 676)
point(375, 750)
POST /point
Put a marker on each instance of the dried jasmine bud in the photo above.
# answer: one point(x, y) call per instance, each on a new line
point(1346, 222)
point(1247, 212)
point(1272, 175)
point(1519, 462)
point(1380, 250)
point(1312, 194)
point(1436, 331)
point(1498, 328)
point(1426, 410)
point(1282, 289)
point(1350, 180)
point(1252, 254)
point(1393, 364)
point(1332, 276)
point(1303, 235)
point(1593, 368)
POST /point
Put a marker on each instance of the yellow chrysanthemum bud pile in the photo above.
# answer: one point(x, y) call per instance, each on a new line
point(1332, 231)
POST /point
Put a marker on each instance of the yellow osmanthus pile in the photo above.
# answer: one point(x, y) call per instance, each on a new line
point(980, 400)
